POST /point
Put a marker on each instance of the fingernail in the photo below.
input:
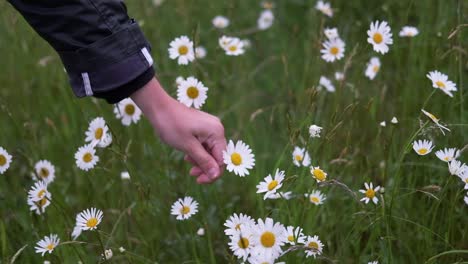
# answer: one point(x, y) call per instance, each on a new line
point(213, 173)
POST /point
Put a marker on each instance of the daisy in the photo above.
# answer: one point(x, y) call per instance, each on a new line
point(220, 22)
point(39, 191)
point(300, 157)
point(224, 41)
point(436, 121)
point(278, 195)
point(265, 20)
point(423, 147)
point(339, 76)
point(394, 120)
point(333, 49)
point(235, 222)
point(369, 193)
point(331, 33)
point(313, 244)
point(200, 52)
point(325, 8)
point(127, 111)
point(89, 219)
point(5, 160)
point(447, 154)
point(316, 197)
point(372, 68)
point(318, 174)
point(184, 208)
point(408, 31)
point(45, 171)
point(238, 158)
point(270, 184)
point(235, 47)
point(181, 49)
point(464, 178)
point(325, 82)
point(383, 124)
point(242, 243)
point(269, 237)
point(201, 231)
point(97, 132)
point(441, 81)
point(39, 206)
point(108, 254)
point(124, 175)
point(263, 259)
point(47, 244)
point(380, 36)
point(314, 131)
point(192, 92)
point(86, 157)
point(293, 234)
point(456, 167)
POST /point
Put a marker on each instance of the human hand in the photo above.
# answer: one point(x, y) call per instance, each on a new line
point(198, 134)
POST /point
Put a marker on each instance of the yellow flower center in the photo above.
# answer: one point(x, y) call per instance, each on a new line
point(422, 151)
point(298, 157)
point(377, 38)
point(375, 68)
point(313, 245)
point(98, 133)
point(238, 226)
point(440, 84)
point(3, 160)
point(42, 202)
point(233, 48)
point(291, 238)
point(44, 173)
point(236, 159)
point(192, 92)
point(129, 109)
point(370, 193)
point(41, 193)
point(319, 174)
point(183, 50)
point(334, 50)
point(314, 199)
point(92, 222)
point(466, 180)
point(447, 158)
point(243, 243)
point(50, 246)
point(272, 185)
point(268, 239)
point(185, 210)
point(88, 157)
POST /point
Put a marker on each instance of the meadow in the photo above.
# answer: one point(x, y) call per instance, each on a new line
point(268, 97)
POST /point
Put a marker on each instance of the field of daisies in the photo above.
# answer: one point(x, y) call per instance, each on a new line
point(347, 126)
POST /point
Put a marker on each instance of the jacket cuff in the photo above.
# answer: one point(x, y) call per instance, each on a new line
point(119, 61)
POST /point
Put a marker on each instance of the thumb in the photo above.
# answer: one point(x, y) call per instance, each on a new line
point(203, 159)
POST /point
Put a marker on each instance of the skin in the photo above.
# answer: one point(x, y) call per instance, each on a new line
point(198, 134)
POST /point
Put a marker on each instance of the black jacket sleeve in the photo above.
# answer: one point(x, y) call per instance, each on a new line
point(103, 50)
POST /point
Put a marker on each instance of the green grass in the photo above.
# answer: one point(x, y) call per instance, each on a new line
point(421, 217)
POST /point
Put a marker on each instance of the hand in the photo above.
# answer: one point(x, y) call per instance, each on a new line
point(198, 134)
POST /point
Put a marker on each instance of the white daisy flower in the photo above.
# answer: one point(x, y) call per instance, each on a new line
point(333, 50)
point(447, 154)
point(383, 124)
point(86, 157)
point(339, 76)
point(242, 243)
point(238, 158)
point(127, 111)
point(235, 47)
point(89, 219)
point(108, 254)
point(369, 193)
point(380, 36)
point(39, 206)
point(265, 20)
point(184, 208)
point(318, 174)
point(464, 178)
point(124, 175)
point(121, 249)
point(270, 185)
point(45, 171)
point(220, 22)
point(268, 238)
point(436, 121)
point(300, 157)
point(441, 81)
point(97, 131)
point(235, 222)
point(224, 41)
point(279, 195)
point(192, 92)
point(408, 31)
point(47, 244)
point(313, 244)
point(316, 197)
point(200, 52)
point(394, 120)
point(201, 231)
point(39, 191)
point(456, 167)
point(293, 234)
point(372, 68)
point(314, 131)
point(325, 8)
point(423, 147)
point(325, 82)
point(181, 49)
point(331, 33)
point(5, 160)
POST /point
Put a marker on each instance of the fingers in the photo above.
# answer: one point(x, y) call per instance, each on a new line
point(203, 160)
